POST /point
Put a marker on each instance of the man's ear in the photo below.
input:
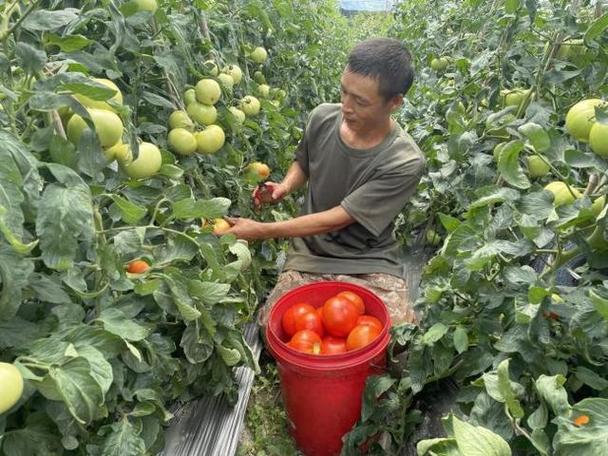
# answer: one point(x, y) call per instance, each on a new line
point(395, 102)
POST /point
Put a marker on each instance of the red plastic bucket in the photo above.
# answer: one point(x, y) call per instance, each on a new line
point(322, 393)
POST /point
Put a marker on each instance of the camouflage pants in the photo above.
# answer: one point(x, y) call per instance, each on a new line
point(391, 289)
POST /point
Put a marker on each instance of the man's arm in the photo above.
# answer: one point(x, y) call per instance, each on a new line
point(306, 225)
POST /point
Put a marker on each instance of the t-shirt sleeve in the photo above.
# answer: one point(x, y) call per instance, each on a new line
point(377, 202)
point(302, 151)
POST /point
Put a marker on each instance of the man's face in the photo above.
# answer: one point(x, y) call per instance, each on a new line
point(363, 108)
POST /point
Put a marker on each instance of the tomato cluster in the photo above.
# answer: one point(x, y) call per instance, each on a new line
point(338, 326)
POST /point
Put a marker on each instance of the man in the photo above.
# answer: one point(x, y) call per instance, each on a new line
point(361, 169)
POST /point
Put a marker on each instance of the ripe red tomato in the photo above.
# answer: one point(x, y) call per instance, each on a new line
point(339, 316)
point(137, 267)
point(310, 320)
point(306, 341)
point(320, 312)
point(369, 320)
point(360, 336)
point(289, 317)
point(355, 299)
point(333, 345)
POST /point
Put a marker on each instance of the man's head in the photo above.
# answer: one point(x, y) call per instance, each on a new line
point(388, 61)
point(378, 73)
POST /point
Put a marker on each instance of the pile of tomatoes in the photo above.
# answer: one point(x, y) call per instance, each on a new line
point(338, 326)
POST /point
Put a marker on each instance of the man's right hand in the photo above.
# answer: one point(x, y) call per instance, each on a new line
point(268, 193)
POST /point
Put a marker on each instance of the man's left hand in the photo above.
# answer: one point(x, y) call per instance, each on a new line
point(247, 229)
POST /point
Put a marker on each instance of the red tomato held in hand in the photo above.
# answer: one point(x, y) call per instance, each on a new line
point(355, 299)
point(289, 317)
point(339, 316)
point(312, 321)
point(369, 320)
point(306, 341)
point(333, 345)
point(361, 336)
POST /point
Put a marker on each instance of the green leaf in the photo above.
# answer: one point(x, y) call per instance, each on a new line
point(208, 292)
point(207, 209)
point(131, 213)
point(551, 389)
point(600, 303)
point(44, 20)
point(101, 370)
point(182, 299)
point(31, 59)
point(68, 43)
point(116, 322)
point(588, 377)
point(449, 223)
point(478, 441)
point(47, 289)
point(504, 386)
point(15, 272)
point(538, 419)
point(196, 343)
point(438, 447)
point(157, 100)
point(496, 195)
point(586, 438)
point(15, 243)
point(461, 339)
point(509, 167)
point(38, 436)
point(537, 136)
point(124, 439)
point(73, 384)
point(596, 29)
point(435, 332)
point(66, 214)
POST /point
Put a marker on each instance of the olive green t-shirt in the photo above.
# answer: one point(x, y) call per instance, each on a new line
point(372, 185)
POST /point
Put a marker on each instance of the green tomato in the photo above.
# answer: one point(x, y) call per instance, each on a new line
point(561, 194)
point(264, 90)
point(210, 140)
point(581, 117)
point(537, 167)
point(180, 119)
point(235, 72)
point(226, 81)
point(11, 386)
point(108, 127)
point(250, 105)
point(189, 96)
point(202, 113)
point(598, 139)
point(147, 164)
point(259, 55)
point(210, 67)
point(182, 141)
point(237, 113)
point(208, 91)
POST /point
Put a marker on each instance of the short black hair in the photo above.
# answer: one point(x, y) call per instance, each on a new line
point(384, 59)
